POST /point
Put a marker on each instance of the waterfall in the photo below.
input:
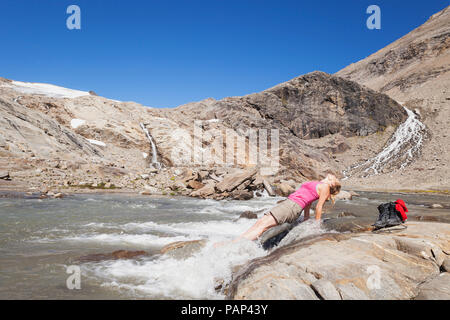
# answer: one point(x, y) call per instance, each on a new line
point(154, 162)
point(399, 151)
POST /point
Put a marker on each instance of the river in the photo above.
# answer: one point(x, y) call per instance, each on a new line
point(41, 238)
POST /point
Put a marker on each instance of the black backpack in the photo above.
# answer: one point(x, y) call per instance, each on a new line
point(388, 217)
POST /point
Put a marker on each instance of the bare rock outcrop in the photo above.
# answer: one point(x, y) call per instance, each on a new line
point(404, 265)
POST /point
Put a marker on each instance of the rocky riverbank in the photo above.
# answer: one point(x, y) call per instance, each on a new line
point(410, 264)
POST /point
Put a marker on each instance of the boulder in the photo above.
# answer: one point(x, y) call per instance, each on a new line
point(344, 195)
point(204, 192)
point(436, 206)
point(284, 189)
point(446, 264)
point(203, 174)
point(177, 186)
point(364, 265)
point(193, 184)
point(4, 175)
point(268, 188)
point(241, 195)
point(232, 181)
point(248, 215)
point(183, 249)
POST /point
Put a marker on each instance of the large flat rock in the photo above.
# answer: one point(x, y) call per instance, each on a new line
point(356, 266)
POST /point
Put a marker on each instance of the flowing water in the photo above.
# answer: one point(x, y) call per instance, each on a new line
point(400, 150)
point(155, 162)
point(41, 238)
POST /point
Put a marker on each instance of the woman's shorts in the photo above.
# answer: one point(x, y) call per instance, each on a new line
point(286, 211)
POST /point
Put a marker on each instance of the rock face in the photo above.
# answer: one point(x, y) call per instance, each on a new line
point(402, 265)
point(415, 70)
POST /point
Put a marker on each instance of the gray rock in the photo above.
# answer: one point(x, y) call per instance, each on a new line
point(351, 292)
point(344, 195)
point(446, 264)
point(204, 192)
point(268, 188)
point(352, 263)
point(284, 189)
point(326, 290)
point(232, 181)
point(4, 175)
point(437, 288)
point(248, 215)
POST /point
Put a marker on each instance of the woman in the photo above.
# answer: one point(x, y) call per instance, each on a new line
point(290, 209)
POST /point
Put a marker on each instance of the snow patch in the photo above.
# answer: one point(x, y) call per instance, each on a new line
point(96, 142)
point(45, 89)
point(75, 123)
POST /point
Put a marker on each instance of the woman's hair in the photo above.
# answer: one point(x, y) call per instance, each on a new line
point(335, 186)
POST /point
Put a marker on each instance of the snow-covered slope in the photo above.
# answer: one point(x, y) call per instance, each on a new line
point(48, 90)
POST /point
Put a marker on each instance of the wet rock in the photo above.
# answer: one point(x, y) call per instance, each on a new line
point(349, 223)
point(344, 195)
point(149, 190)
point(241, 195)
point(183, 249)
point(232, 181)
point(354, 194)
point(58, 195)
point(345, 214)
point(116, 255)
point(248, 215)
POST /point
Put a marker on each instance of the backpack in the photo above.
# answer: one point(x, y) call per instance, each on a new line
point(389, 215)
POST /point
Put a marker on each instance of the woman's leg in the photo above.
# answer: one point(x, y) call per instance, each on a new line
point(263, 224)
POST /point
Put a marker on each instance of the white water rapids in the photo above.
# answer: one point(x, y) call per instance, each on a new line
point(402, 147)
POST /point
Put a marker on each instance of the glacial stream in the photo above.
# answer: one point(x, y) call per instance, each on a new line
point(41, 238)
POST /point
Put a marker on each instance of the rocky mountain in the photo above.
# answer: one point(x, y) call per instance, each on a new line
point(351, 123)
point(69, 139)
point(415, 71)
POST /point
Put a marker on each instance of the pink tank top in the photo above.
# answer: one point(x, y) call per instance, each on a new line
point(306, 194)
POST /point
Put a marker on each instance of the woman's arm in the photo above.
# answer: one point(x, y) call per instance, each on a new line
point(324, 195)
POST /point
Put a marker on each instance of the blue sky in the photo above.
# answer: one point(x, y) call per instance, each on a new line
point(167, 53)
